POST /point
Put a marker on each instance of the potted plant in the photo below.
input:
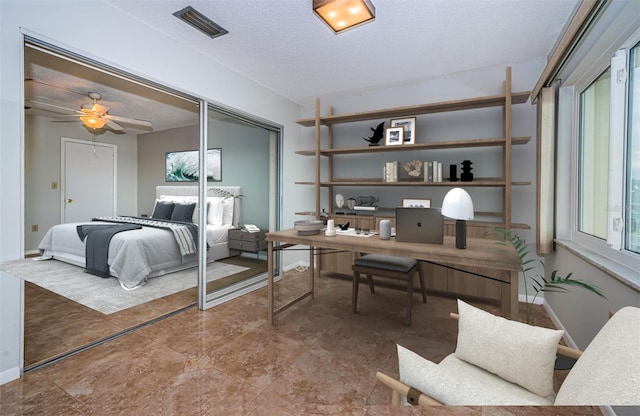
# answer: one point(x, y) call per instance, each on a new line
point(556, 283)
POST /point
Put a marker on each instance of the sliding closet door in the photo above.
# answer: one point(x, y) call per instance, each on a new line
point(241, 153)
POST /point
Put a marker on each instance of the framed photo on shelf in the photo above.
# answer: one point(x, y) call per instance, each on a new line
point(416, 202)
point(393, 136)
point(409, 125)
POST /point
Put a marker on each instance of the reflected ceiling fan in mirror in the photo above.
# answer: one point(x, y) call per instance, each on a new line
point(96, 116)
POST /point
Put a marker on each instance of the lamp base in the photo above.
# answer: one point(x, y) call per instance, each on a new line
point(461, 234)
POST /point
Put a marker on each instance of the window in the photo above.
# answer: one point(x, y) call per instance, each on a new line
point(608, 183)
point(594, 157)
point(632, 192)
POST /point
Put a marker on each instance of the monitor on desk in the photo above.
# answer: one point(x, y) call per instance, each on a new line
point(419, 225)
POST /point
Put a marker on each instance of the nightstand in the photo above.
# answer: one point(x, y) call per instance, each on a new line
point(245, 241)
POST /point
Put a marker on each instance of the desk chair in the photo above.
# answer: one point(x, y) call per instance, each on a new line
point(391, 267)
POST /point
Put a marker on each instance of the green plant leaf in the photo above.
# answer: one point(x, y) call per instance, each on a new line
point(556, 282)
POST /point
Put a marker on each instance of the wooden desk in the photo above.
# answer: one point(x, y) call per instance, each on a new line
point(479, 253)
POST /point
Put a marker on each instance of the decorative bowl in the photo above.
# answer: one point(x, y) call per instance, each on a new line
point(308, 226)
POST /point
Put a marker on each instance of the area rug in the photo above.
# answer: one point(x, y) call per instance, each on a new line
point(106, 295)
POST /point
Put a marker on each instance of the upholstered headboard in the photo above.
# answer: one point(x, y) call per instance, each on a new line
point(211, 191)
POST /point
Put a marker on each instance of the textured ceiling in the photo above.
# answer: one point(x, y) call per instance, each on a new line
point(283, 46)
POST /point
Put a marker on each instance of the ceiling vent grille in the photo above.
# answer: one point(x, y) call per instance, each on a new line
point(200, 22)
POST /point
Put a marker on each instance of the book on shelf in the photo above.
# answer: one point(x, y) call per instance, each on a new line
point(428, 171)
point(390, 171)
point(433, 171)
point(437, 171)
point(365, 208)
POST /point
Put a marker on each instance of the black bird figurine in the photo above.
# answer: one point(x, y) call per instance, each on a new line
point(378, 132)
point(344, 227)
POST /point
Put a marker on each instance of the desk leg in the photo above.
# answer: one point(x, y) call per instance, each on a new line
point(271, 300)
point(509, 295)
point(515, 278)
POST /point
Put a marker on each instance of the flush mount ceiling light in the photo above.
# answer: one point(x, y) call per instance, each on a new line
point(200, 22)
point(341, 15)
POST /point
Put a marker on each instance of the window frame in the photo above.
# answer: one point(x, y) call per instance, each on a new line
point(623, 256)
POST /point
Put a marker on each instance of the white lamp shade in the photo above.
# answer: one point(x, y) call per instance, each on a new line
point(457, 204)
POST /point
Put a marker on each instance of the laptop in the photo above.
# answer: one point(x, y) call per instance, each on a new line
point(419, 225)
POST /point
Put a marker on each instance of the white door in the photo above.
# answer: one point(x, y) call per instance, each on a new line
point(88, 180)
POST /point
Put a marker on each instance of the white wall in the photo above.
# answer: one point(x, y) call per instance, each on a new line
point(152, 56)
point(42, 167)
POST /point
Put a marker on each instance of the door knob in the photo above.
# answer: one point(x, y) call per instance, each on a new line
point(69, 200)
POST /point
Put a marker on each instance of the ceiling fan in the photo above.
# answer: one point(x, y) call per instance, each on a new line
point(96, 116)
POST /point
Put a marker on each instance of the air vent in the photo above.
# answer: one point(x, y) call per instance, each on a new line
point(200, 22)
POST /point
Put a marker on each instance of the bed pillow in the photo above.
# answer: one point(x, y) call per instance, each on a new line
point(183, 200)
point(227, 211)
point(215, 211)
point(520, 353)
point(163, 210)
point(183, 212)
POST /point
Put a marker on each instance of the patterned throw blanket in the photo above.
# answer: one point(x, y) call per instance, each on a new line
point(186, 234)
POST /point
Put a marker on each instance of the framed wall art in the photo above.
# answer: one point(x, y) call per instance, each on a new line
point(393, 136)
point(183, 166)
point(416, 202)
point(409, 125)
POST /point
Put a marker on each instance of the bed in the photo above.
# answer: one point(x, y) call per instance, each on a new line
point(137, 255)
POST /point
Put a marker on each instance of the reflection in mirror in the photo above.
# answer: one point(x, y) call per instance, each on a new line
point(66, 309)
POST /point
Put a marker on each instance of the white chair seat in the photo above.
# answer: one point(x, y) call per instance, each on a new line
point(458, 383)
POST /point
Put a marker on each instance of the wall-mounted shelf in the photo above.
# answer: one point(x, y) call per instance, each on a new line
point(378, 182)
point(507, 98)
point(447, 280)
point(452, 144)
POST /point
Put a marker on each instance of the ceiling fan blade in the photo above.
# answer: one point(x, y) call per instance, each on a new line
point(134, 122)
point(114, 126)
point(70, 110)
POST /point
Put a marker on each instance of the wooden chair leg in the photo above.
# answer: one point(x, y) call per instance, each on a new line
point(410, 300)
point(370, 281)
point(354, 291)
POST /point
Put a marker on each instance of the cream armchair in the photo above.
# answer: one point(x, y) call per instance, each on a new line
point(502, 362)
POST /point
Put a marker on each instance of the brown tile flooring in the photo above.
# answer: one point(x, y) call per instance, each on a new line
point(318, 359)
point(52, 321)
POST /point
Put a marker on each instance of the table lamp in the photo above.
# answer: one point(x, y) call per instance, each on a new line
point(457, 204)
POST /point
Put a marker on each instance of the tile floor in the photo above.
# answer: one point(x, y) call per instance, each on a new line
point(318, 359)
point(52, 321)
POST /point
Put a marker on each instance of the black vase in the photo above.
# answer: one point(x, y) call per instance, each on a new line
point(466, 175)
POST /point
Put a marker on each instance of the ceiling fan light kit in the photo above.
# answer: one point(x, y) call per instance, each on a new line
point(96, 116)
point(342, 15)
point(93, 122)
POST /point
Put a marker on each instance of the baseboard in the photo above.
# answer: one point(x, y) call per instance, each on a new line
point(567, 337)
point(529, 299)
point(9, 375)
point(300, 266)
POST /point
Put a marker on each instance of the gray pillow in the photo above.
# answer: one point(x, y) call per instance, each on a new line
point(163, 210)
point(183, 212)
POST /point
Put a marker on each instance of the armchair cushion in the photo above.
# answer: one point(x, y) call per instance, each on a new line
point(457, 383)
point(520, 353)
point(608, 372)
